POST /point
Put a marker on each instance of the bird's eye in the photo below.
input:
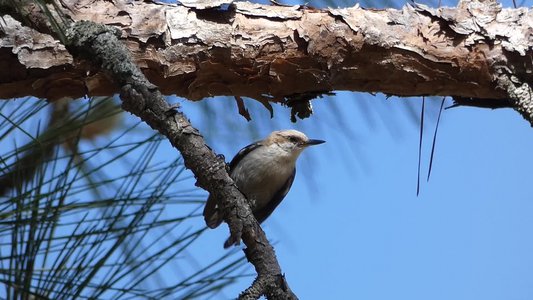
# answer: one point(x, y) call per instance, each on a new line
point(293, 139)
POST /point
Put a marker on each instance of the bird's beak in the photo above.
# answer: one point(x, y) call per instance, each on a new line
point(314, 142)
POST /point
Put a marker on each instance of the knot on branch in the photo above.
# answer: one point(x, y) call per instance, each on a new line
point(300, 104)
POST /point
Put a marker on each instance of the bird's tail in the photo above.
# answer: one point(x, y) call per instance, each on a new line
point(230, 242)
point(212, 216)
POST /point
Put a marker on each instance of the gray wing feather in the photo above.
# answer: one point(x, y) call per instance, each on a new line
point(241, 154)
point(266, 211)
point(211, 213)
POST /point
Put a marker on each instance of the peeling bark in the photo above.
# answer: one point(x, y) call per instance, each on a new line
point(272, 52)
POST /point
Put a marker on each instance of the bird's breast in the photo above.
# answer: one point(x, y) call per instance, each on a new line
point(260, 178)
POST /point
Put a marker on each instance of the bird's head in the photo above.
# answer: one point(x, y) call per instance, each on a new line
point(292, 141)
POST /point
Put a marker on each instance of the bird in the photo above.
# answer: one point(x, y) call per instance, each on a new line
point(264, 172)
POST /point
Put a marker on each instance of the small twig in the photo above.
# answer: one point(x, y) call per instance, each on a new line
point(435, 138)
point(420, 145)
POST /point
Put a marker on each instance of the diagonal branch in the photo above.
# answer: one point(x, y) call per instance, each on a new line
point(144, 100)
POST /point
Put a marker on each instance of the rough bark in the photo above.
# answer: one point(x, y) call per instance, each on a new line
point(274, 53)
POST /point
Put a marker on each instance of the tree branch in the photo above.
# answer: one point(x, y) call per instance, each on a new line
point(143, 99)
point(272, 52)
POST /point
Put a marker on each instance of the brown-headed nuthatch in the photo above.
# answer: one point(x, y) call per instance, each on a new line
point(263, 172)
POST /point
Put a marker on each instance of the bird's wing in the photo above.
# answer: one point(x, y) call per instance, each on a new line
point(266, 211)
point(211, 213)
point(241, 154)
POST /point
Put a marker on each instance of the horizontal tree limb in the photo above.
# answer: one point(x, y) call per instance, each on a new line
point(271, 52)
